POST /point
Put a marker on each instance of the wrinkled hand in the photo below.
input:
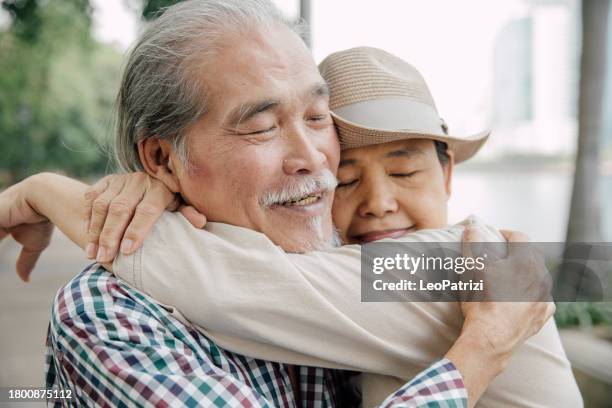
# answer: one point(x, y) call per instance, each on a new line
point(121, 210)
point(506, 325)
point(493, 330)
point(25, 225)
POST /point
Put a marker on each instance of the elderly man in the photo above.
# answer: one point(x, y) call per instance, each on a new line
point(223, 104)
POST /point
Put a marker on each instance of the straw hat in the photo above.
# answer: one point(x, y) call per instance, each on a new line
point(377, 98)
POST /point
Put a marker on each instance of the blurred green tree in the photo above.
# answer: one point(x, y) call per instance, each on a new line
point(57, 89)
point(149, 9)
point(152, 8)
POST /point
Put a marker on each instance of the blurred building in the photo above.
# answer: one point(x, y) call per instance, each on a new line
point(512, 79)
point(535, 80)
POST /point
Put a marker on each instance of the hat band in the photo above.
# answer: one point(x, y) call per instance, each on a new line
point(393, 114)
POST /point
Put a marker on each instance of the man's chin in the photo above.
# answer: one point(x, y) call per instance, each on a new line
point(311, 234)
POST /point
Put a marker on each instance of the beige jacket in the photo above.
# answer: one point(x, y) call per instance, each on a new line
point(252, 298)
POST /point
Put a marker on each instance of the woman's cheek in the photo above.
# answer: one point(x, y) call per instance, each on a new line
point(432, 211)
point(341, 213)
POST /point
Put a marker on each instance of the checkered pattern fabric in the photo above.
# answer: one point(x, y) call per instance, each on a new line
point(113, 346)
point(440, 386)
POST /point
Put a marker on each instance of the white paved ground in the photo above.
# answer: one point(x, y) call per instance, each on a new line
point(25, 308)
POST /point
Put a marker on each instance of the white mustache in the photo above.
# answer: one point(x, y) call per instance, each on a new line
point(299, 188)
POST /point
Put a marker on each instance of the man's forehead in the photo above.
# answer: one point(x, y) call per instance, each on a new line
point(265, 53)
point(265, 66)
point(244, 110)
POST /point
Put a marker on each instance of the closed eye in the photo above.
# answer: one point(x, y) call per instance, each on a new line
point(318, 117)
point(405, 175)
point(260, 132)
point(346, 183)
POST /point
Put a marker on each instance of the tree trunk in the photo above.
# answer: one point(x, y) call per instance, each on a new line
point(585, 213)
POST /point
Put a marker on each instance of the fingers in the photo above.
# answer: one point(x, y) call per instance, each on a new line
point(195, 218)
point(517, 243)
point(3, 233)
point(472, 241)
point(546, 286)
point(34, 238)
point(530, 265)
point(90, 195)
point(120, 213)
point(155, 200)
point(514, 236)
point(123, 210)
point(99, 212)
point(550, 310)
point(519, 247)
point(546, 311)
point(26, 263)
point(542, 276)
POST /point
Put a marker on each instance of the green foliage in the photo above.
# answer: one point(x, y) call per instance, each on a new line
point(56, 90)
point(28, 16)
point(152, 8)
point(583, 314)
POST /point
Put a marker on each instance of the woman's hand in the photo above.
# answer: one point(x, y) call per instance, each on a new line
point(120, 212)
point(516, 293)
point(492, 330)
point(20, 219)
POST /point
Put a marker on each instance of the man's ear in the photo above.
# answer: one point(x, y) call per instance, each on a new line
point(157, 158)
point(448, 173)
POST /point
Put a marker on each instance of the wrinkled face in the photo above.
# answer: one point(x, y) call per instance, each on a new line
point(266, 153)
point(387, 190)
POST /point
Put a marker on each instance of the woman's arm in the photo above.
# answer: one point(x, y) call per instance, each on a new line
point(95, 218)
point(29, 209)
point(61, 200)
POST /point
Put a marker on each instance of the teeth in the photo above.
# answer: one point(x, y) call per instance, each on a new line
point(304, 201)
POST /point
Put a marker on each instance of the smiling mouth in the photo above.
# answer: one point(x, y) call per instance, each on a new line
point(381, 234)
point(303, 201)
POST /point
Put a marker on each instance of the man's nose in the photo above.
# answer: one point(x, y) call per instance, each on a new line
point(304, 155)
point(378, 200)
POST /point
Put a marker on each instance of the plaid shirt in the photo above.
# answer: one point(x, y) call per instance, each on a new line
point(113, 346)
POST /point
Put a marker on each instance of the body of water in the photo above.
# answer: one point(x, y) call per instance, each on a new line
point(532, 201)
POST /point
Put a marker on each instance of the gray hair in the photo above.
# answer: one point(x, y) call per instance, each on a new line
point(158, 97)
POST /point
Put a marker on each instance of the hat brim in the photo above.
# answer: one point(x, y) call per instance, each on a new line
point(352, 135)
